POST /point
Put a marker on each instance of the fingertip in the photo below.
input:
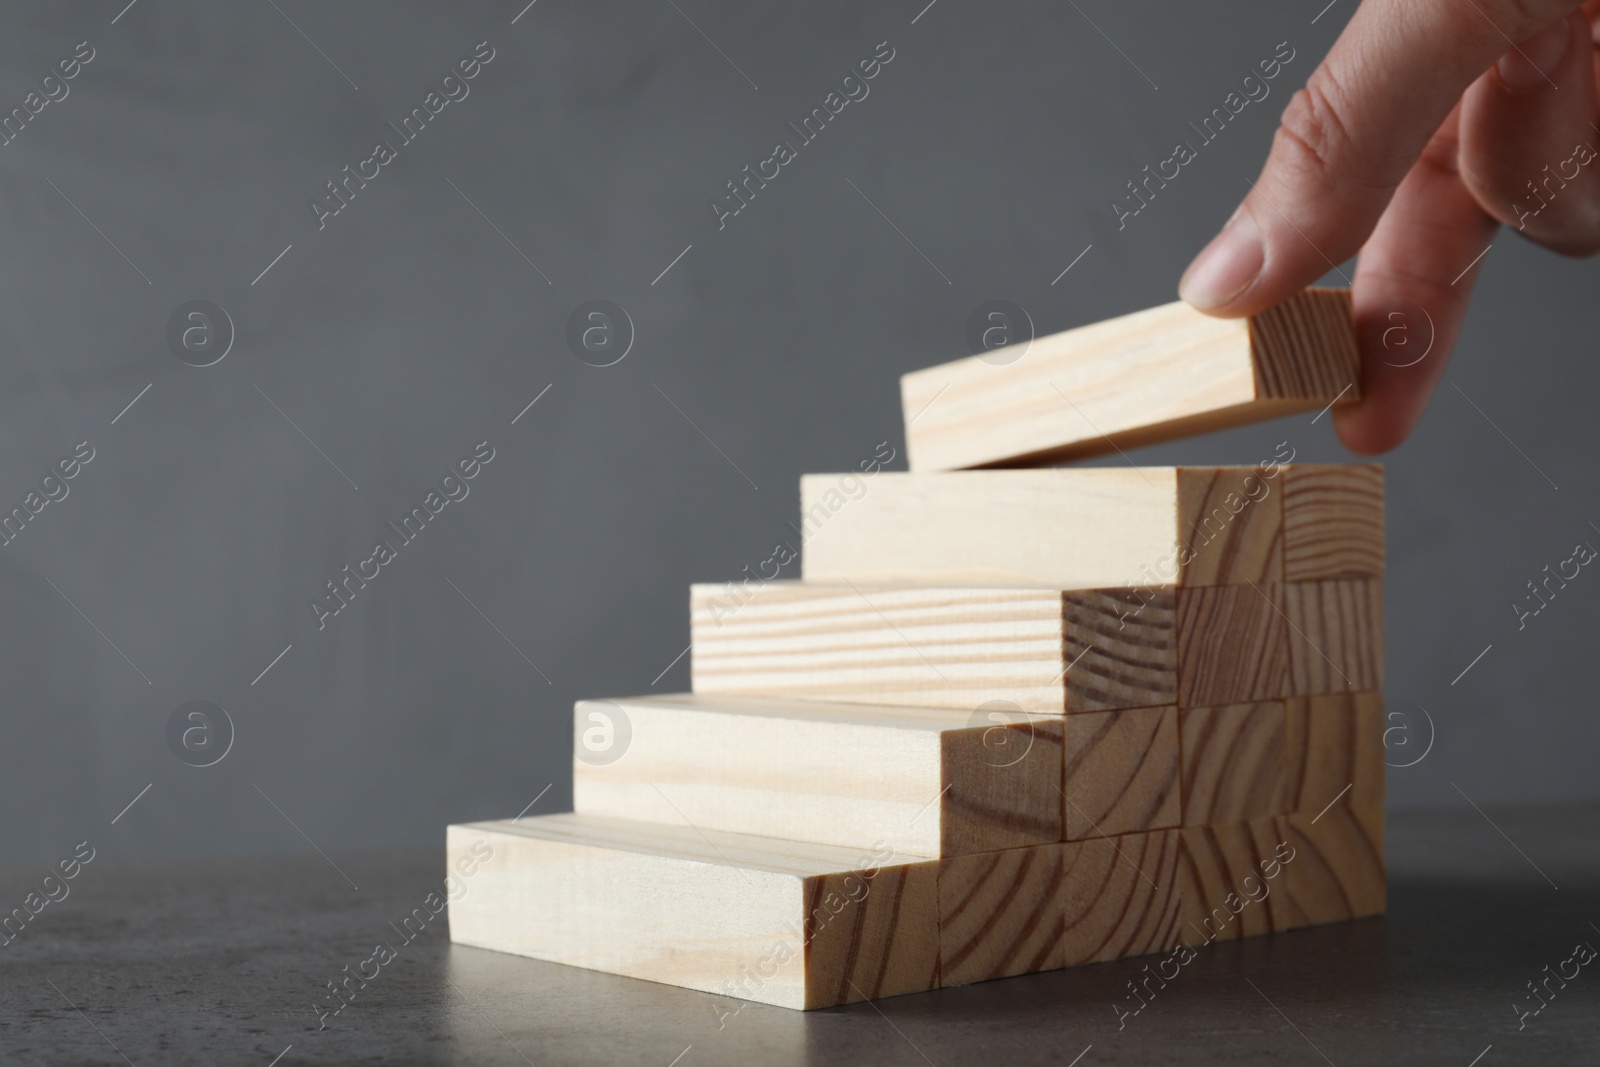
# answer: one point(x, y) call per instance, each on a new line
point(1528, 65)
point(1226, 267)
point(1367, 430)
point(1526, 147)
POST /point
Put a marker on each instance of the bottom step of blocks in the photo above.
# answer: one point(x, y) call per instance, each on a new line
point(808, 926)
point(781, 922)
point(1280, 873)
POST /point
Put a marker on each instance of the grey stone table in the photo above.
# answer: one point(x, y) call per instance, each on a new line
point(224, 962)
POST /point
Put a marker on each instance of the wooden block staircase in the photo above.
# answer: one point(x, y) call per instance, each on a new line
point(1008, 720)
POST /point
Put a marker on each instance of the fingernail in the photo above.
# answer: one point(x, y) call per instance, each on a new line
point(1528, 65)
point(1226, 266)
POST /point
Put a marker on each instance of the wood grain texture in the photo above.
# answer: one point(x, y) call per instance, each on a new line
point(929, 647)
point(1000, 914)
point(1231, 880)
point(1334, 750)
point(1060, 529)
point(781, 922)
point(1122, 896)
point(1154, 375)
point(1230, 526)
point(1121, 772)
point(1232, 645)
point(1336, 635)
point(1337, 872)
point(1233, 762)
point(871, 934)
point(1306, 346)
point(998, 776)
point(923, 781)
point(1333, 521)
point(1121, 648)
point(1072, 528)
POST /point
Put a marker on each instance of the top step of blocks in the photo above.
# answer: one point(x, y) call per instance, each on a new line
point(1151, 376)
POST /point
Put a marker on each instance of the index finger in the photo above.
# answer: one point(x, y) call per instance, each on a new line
point(1347, 140)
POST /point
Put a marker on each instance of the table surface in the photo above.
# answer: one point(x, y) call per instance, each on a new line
point(223, 961)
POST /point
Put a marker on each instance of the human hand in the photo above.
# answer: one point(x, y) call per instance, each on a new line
point(1422, 131)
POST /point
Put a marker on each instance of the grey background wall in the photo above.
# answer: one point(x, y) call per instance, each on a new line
point(379, 349)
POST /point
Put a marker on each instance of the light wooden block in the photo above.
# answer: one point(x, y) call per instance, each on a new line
point(1334, 750)
point(1336, 635)
point(1232, 645)
point(1151, 376)
point(1231, 879)
point(1234, 762)
point(957, 647)
point(1108, 527)
point(1230, 525)
point(1000, 914)
point(1121, 772)
point(1120, 647)
point(1122, 896)
point(1337, 869)
point(921, 781)
point(1333, 521)
point(780, 922)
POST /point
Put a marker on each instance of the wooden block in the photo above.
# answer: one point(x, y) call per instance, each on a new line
point(1231, 880)
point(880, 942)
point(1121, 896)
point(1233, 762)
point(1105, 527)
point(1151, 376)
point(1336, 635)
point(1334, 750)
point(1121, 772)
point(1230, 525)
point(922, 781)
point(1121, 649)
point(781, 922)
point(1063, 529)
point(1232, 645)
point(1336, 871)
point(934, 647)
point(1000, 914)
point(1333, 521)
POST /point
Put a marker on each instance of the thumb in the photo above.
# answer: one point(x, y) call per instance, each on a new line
point(1349, 137)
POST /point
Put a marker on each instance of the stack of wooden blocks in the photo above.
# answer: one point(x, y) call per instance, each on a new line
point(1009, 720)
